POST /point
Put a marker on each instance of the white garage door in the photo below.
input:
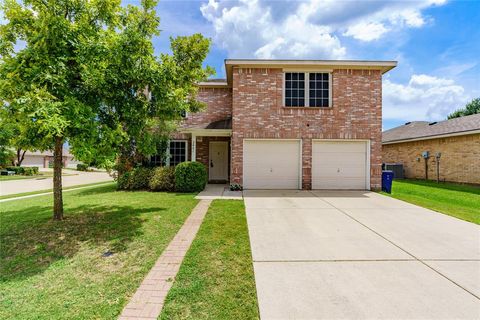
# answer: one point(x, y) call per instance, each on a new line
point(339, 165)
point(271, 164)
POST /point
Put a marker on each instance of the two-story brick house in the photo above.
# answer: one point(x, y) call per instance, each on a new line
point(289, 124)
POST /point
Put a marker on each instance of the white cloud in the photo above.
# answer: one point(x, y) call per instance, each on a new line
point(249, 28)
point(366, 31)
point(306, 29)
point(425, 97)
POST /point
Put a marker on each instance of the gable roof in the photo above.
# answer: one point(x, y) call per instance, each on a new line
point(422, 130)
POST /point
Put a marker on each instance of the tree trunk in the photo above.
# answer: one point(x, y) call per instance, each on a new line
point(20, 156)
point(57, 179)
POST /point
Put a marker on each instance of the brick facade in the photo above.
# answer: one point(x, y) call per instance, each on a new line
point(258, 112)
point(219, 107)
point(459, 162)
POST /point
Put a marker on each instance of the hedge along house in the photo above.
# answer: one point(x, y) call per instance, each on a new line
point(457, 140)
point(289, 124)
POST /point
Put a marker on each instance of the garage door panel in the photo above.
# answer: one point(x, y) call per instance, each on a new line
point(271, 164)
point(338, 160)
point(339, 165)
point(352, 183)
point(336, 147)
point(344, 173)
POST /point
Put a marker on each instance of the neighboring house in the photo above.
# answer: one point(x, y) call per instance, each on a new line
point(45, 159)
point(289, 124)
point(458, 141)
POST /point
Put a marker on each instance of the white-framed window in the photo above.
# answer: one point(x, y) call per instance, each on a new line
point(308, 89)
point(178, 152)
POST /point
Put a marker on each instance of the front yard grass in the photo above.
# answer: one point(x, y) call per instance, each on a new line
point(55, 270)
point(216, 278)
point(460, 201)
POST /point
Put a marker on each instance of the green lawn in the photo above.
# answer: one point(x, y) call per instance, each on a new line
point(16, 195)
point(460, 201)
point(216, 278)
point(55, 270)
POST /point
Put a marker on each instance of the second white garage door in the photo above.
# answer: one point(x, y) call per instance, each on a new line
point(339, 165)
point(271, 164)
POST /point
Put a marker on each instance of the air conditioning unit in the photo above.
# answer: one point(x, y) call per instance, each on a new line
point(397, 169)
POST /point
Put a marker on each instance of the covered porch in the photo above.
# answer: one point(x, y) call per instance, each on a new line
point(211, 145)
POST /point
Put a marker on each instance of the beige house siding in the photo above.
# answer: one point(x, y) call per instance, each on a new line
point(460, 160)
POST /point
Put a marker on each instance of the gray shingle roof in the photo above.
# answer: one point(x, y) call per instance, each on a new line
point(423, 129)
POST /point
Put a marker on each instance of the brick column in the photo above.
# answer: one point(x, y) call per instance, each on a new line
point(306, 164)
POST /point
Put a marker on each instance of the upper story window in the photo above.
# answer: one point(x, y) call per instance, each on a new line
point(308, 89)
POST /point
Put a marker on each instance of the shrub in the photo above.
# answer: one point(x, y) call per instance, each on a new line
point(190, 177)
point(137, 179)
point(140, 177)
point(82, 167)
point(163, 179)
point(28, 171)
point(17, 170)
point(35, 170)
point(123, 181)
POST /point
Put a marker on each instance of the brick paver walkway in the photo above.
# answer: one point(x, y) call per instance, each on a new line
point(148, 301)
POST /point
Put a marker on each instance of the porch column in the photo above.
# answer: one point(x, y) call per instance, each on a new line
point(194, 147)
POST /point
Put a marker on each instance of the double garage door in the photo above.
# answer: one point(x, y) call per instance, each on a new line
point(276, 164)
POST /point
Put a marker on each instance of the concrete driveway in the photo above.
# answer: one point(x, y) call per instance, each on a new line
point(360, 255)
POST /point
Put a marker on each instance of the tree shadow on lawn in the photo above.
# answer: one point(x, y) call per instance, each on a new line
point(30, 247)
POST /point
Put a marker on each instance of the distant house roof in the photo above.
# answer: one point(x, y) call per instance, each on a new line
point(49, 153)
point(421, 130)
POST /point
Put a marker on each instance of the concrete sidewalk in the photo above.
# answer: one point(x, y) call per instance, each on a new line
point(38, 184)
point(360, 255)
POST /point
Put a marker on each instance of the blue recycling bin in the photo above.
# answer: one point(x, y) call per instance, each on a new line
point(387, 178)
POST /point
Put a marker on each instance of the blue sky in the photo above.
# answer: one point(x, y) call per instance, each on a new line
point(436, 43)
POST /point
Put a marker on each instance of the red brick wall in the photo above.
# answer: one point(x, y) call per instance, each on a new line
point(219, 107)
point(259, 113)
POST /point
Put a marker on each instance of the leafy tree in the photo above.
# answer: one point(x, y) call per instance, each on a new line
point(6, 153)
point(88, 75)
point(473, 107)
point(20, 136)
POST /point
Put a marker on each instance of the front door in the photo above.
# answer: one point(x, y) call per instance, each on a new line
point(218, 161)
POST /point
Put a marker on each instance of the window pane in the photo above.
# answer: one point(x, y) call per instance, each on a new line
point(177, 152)
point(294, 89)
point(319, 89)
